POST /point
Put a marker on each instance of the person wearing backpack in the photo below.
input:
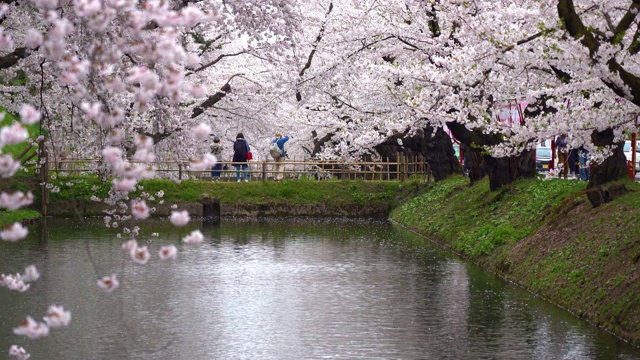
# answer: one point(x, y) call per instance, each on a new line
point(276, 149)
point(240, 150)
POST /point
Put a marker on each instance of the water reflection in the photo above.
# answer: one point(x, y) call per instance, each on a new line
point(282, 289)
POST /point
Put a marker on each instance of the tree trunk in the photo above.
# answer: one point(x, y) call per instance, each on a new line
point(614, 167)
point(501, 171)
point(437, 149)
point(474, 162)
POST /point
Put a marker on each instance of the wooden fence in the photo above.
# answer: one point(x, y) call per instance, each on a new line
point(401, 169)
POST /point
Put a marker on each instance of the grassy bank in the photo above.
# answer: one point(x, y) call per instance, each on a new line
point(350, 194)
point(546, 236)
point(255, 192)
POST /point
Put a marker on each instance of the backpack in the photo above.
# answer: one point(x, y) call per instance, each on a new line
point(274, 150)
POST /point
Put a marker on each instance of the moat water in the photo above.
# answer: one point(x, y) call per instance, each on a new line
point(280, 289)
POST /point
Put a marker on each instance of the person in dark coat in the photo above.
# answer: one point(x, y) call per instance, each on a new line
point(574, 164)
point(240, 150)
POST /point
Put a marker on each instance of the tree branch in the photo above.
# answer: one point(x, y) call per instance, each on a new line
point(314, 49)
point(213, 99)
point(215, 61)
point(13, 57)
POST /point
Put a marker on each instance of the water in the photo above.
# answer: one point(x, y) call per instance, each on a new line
point(281, 289)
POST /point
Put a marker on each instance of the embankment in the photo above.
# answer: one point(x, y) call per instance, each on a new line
point(546, 237)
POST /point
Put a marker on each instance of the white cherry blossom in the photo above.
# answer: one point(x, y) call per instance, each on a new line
point(168, 252)
point(31, 329)
point(14, 232)
point(179, 218)
point(195, 237)
point(57, 317)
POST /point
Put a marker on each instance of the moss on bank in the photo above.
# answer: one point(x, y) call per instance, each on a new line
point(545, 236)
point(20, 215)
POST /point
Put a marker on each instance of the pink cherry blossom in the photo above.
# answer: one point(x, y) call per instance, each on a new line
point(8, 166)
point(18, 352)
point(168, 252)
point(29, 115)
point(139, 209)
point(4, 9)
point(13, 283)
point(57, 317)
point(14, 233)
point(195, 237)
point(34, 38)
point(109, 283)
point(179, 218)
point(116, 136)
point(112, 154)
point(140, 255)
point(6, 41)
point(127, 185)
point(13, 134)
point(202, 131)
point(31, 329)
point(31, 274)
point(144, 155)
point(130, 245)
point(91, 110)
point(191, 16)
point(206, 162)
point(87, 7)
point(16, 200)
point(46, 4)
point(198, 90)
point(143, 142)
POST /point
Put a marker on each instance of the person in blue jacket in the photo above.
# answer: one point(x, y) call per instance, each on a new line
point(278, 153)
point(240, 150)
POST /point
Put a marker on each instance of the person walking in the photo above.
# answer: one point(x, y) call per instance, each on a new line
point(563, 154)
point(584, 163)
point(216, 150)
point(240, 150)
point(276, 149)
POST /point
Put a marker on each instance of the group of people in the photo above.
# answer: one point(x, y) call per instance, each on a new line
point(574, 160)
point(242, 155)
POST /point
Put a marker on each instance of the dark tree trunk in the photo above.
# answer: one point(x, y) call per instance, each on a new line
point(613, 168)
point(501, 171)
point(474, 163)
point(435, 147)
point(505, 170)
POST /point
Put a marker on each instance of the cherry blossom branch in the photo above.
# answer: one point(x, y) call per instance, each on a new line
point(215, 61)
point(314, 48)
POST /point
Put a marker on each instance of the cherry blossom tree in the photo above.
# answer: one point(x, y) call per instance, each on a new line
point(131, 83)
point(111, 79)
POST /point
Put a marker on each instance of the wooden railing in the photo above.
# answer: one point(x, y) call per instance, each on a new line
point(401, 169)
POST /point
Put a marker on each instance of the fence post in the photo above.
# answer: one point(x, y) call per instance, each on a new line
point(44, 177)
point(179, 170)
point(264, 170)
point(405, 168)
point(428, 173)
